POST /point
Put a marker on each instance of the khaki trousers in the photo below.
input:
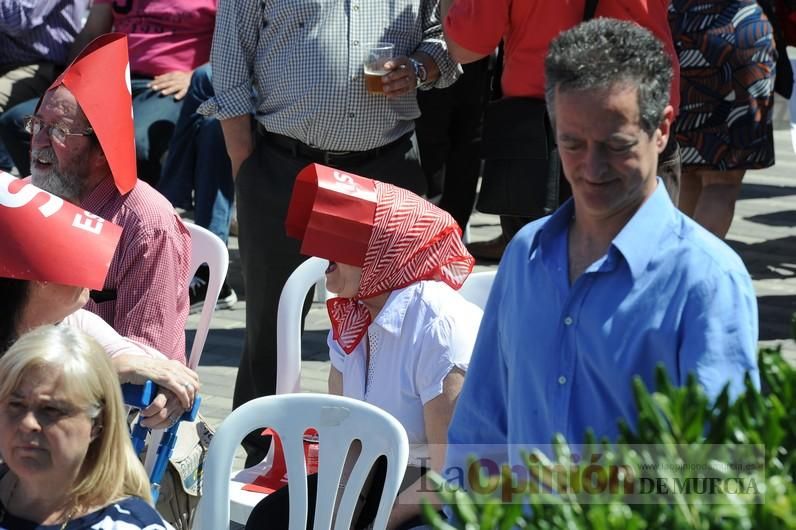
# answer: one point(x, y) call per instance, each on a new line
point(18, 84)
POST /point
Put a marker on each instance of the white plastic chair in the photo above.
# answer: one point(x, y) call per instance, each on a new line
point(288, 323)
point(477, 286)
point(339, 421)
point(206, 247)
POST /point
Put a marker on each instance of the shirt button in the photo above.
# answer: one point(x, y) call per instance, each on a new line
point(356, 8)
point(352, 115)
point(356, 43)
point(568, 321)
point(562, 380)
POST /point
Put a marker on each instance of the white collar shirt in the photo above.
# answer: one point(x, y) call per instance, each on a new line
point(421, 333)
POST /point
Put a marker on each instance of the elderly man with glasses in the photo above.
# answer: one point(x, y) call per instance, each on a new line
point(82, 149)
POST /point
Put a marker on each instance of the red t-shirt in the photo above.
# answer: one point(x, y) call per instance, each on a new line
point(529, 26)
point(165, 35)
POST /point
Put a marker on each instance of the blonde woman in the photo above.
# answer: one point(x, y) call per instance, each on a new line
point(68, 462)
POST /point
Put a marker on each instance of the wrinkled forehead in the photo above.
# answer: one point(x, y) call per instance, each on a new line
point(61, 104)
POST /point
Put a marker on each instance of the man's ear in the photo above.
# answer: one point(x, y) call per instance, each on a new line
point(99, 162)
point(665, 128)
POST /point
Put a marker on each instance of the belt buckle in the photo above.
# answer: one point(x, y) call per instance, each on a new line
point(329, 155)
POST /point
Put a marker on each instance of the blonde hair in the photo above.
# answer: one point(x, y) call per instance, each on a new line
point(110, 470)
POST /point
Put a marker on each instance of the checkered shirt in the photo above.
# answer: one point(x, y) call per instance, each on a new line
point(304, 60)
point(149, 270)
point(40, 30)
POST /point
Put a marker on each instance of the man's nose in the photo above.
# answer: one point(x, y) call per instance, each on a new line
point(594, 162)
point(40, 139)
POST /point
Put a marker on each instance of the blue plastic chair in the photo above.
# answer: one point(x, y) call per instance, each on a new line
point(140, 397)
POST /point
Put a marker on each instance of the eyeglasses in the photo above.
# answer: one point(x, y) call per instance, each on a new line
point(57, 133)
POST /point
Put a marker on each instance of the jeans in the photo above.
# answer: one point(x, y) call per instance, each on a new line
point(198, 160)
point(154, 116)
point(14, 137)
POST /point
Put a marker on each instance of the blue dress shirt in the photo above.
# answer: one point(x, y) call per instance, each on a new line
point(558, 358)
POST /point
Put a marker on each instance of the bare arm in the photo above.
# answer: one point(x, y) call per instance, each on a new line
point(335, 381)
point(100, 20)
point(239, 141)
point(437, 415)
point(459, 53)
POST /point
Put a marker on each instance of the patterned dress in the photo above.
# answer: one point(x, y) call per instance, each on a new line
point(727, 57)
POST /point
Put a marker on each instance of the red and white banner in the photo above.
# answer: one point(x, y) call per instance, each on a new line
point(99, 78)
point(48, 239)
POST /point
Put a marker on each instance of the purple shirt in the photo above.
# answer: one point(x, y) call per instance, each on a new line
point(33, 31)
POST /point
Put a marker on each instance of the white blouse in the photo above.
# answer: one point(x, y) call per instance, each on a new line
point(420, 334)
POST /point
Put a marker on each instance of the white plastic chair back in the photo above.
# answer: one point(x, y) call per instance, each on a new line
point(477, 286)
point(206, 247)
point(288, 323)
point(339, 421)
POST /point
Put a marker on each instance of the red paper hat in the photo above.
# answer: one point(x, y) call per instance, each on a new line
point(332, 213)
point(99, 78)
point(276, 476)
point(48, 239)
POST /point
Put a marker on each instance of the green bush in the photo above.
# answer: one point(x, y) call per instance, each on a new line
point(680, 423)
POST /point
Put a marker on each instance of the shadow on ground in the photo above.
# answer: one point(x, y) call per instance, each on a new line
point(771, 259)
point(224, 346)
point(762, 191)
point(776, 314)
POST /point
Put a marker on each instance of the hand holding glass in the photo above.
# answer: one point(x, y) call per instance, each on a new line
point(377, 56)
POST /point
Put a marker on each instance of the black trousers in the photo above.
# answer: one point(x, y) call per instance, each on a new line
point(268, 257)
point(449, 138)
point(273, 512)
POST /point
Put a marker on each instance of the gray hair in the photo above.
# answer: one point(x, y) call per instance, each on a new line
point(604, 52)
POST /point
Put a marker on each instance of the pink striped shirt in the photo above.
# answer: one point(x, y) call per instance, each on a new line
point(149, 271)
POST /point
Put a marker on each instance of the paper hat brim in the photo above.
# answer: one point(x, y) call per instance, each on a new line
point(332, 212)
point(99, 78)
point(48, 239)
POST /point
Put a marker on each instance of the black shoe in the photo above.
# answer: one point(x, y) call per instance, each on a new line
point(197, 292)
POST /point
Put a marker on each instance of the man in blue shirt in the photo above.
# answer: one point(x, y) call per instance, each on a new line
point(615, 282)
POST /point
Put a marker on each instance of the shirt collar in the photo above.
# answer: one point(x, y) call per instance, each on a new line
point(391, 316)
point(635, 241)
point(642, 234)
point(100, 195)
point(556, 223)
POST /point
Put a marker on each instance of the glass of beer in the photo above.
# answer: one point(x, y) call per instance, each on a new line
point(376, 56)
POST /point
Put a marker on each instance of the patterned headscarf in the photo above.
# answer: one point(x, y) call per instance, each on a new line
point(412, 240)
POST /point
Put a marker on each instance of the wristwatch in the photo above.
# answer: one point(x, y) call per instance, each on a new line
point(421, 74)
